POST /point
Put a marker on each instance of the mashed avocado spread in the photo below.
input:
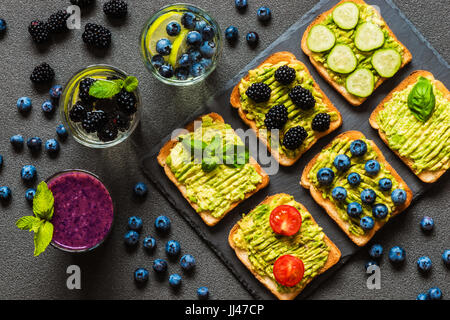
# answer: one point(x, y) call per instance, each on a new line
point(264, 247)
point(427, 144)
point(297, 117)
point(217, 190)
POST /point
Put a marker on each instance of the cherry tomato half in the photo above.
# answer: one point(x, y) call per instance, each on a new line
point(285, 220)
point(288, 270)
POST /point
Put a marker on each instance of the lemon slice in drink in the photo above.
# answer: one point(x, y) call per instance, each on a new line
point(179, 47)
point(158, 31)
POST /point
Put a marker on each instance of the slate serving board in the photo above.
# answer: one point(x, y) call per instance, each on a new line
point(287, 179)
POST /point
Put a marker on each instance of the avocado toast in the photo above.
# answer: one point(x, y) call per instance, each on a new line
point(362, 192)
point(424, 146)
point(212, 189)
point(354, 49)
point(281, 105)
point(259, 247)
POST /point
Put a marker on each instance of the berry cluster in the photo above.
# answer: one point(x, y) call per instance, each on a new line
point(40, 31)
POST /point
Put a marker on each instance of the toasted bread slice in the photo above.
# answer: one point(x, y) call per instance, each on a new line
point(330, 208)
point(206, 215)
point(235, 101)
point(426, 176)
point(333, 257)
point(354, 100)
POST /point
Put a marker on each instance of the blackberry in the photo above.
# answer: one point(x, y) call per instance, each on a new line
point(97, 36)
point(94, 121)
point(77, 113)
point(285, 75)
point(259, 92)
point(120, 120)
point(302, 98)
point(108, 133)
point(126, 102)
point(58, 21)
point(321, 122)
point(294, 137)
point(42, 73)
point(82, 3)
point(39, 31)
point(276, 118)
point(115, 8)
point(83, 88)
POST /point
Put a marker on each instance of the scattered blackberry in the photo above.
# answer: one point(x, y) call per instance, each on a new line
point(77, 113)
point(302, 98)
point(42, 73)
point(321, 122)
point(294, 137)
point(276, 118)
point(108, 133)
point(82, 3)
point(285, 75)
point(259, 92)
point(39, 31)
point(115, 8)
point(94, 121)
point(126, 102)
point(96, 35)
point(84, 87)
point(58, 21)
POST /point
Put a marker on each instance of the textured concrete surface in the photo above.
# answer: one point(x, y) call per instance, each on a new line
point(107, 272)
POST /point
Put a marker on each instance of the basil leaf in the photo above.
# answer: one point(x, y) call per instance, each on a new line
point(421, 99)
point(236, 156)
point(213, 146)
point(105, 89)
point(209, 163)
point(193, 145)
point(130, 84)
point(43, 202)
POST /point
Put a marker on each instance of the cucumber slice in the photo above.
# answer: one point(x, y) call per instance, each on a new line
point(386, 62)
point(346, 15)
point(320, 39)
point(360, 83)
point(342, 59)
point(369, 36)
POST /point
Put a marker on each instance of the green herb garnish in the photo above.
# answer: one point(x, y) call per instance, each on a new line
point(105, 89)
point(43, 208)
point(421, 99)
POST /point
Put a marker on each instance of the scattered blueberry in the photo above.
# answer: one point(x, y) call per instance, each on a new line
point(157, 61)
point(370, 263)
point(398, 196)
point(17, 141)
point(325, 176)
point(208, 33)
point(29, 194)
point(195, 56)
point(5, 194)
point(175, 280)
point(385, 184)
point(52, 147)
point(422, 296)
point(1, 161)
point(427, 224)
point(160, 265)
point(446, 257)
point(3, 25)
point(34, 144)
point(187, 262)
point(397, 254)
point(376, 251)
point(372, 167)
point(172, 248)
point(208, 49)
point(182, 73)
point(194, 38)
point(61, 131)
point(188, 20)
point(197, 69)
point(435, 293)
point(135, 223)
point(354, 179)
point(56, 91)
point(341, 162)
point(173, 28)
point(131, 238)
point(206, 63)
point(231, 33)
point(358, 148)
point(264, 14)
point(149, 243)
point(140, 189)
point(367, 223)
point(166, 70)
point(241, 5)
point(354, 209)
point(200, 25)
point(185, 60)
point(424, 264)
point(48, 107)
point(380, 211)
point(24, 105)
point(164, 46)
point(162, 223)
point(28, 173)
point(252, 39)
point(368, 196)
point(203, 293)
point(339, 194)
point(141, 275)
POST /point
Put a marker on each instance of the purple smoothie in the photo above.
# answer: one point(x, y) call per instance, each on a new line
point(83, 211)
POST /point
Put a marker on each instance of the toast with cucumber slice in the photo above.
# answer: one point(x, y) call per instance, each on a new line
point(353, 49)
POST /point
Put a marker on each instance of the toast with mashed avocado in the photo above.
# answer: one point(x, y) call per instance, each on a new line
point(414, 121)
point(354, 49)
point(280, 94)
point(210, 166)
point(353, 182)
point(282, 245)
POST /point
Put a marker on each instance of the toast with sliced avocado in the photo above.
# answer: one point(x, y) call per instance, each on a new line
point(285, 107)
point(354, 49)
point(210, 166)
point(282, 246)
point(414, 121)
point(357, 187)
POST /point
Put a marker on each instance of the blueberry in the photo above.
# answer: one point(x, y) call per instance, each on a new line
point(367, 223)
point(200, 25)
point(206, 63)
point(368, 196)
point(358, 148)
point(56, 91)
point(354, 209)
point(187, 262)
point(141, 275)
point(24, 105)
point(208, 49)
point(325, 176)
point(197, 69)
point(398, 196)
point(5, 194)
point(28, 173)
point(48, 107)
point(203, 293)
point(342, 162)
point(34, 144)
point(160, 265)
point(354, 179)
point(422, 296)
point(140, 189)
point(149, 243)
point(241, 4)
point(397, 254)
point(173, 28)
point(372, 167)
point(424, 264)
point(162, 223)
point(61, 131)
point(195, 56)
point(188, 20)
point(52, 146)
point(175, 280)
point(166, 70)
point(208, 33)
point(264, 14)
point(385, 184)
point(1, 161)
point(157, 61)
point(427, 223)
point(182, 73)
point(135, 223)
point(376, 251)
point(446, 257)
point(339, 194)
point(29, 194)
point(231, 33)
point(380, 211)
point(16, 141)
point(435, 293)
point(164, 46)
point(185, 60)
point(3, 25)
point(194, 38)
point(370, 263)
point(172, 248)
point(252, 39)
point(131, 238)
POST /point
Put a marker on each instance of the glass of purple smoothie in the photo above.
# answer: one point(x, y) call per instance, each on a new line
point(83, 213)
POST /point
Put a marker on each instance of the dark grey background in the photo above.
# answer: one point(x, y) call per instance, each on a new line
point(107, 271)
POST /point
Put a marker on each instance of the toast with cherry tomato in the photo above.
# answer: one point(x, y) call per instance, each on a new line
point(282, 245)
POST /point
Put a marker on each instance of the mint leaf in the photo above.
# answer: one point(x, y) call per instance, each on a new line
point(27, 223)
point(43, 202)
point(105, 89)
point(130, 84)
point(43, 237)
